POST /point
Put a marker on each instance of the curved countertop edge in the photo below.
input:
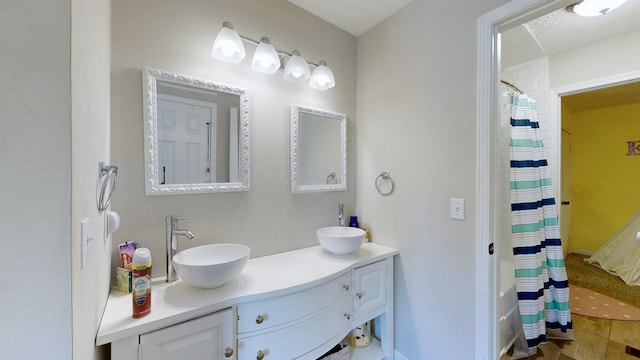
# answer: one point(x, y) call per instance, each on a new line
point(263, 277)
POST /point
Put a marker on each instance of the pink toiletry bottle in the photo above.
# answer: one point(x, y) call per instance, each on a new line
point(141, 284)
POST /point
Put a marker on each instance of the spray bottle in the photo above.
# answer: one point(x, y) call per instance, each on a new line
point(141, 284)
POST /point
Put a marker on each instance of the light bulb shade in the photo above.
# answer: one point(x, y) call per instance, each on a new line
point(297, 68)
point(265, 59)
point(228, 46)
point(595, 7)
point(322, 78)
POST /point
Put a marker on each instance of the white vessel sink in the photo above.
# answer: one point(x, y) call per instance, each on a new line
point(340, 240)
point(211, 266)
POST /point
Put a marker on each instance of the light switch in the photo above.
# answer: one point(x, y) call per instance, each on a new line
point(85, 237)
point(457, 208)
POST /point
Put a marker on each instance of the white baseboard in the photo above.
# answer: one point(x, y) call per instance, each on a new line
point(398, 356)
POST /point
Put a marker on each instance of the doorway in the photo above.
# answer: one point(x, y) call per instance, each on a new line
point(489, 210)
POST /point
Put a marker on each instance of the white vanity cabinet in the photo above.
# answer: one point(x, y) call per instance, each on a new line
point(370, 290)
point(373, 299)
point(293, 305)
point(306, 324)
point(207, 337)
point(291, 326)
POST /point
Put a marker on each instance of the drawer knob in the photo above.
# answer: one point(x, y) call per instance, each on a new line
point(348, 316)
point(260, 355)
point(228, 352)
point(359, 295)
point(346, 287)
point(259, 319)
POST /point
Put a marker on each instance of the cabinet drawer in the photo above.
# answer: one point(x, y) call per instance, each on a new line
point(369, 287)
point(294, 341)
point(265, 314)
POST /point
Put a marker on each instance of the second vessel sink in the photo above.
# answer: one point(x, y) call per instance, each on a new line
point(211, 266)
point(340, 240)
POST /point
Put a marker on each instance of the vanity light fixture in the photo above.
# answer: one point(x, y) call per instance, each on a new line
point(322, 77)
point(297, 68)
point(594, 7)
point(228, 45)
point(267, 59)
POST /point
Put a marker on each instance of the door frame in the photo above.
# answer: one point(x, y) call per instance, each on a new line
point(489, 26)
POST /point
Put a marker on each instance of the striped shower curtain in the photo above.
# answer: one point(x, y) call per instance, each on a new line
point(541, 276)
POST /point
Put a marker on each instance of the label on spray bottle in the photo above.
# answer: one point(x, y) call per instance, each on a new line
point(141, 285)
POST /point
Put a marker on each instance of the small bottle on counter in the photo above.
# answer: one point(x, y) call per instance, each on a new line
point(365, 227)
point(141, 284)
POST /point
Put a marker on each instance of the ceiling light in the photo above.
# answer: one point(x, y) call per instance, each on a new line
point(594, 7)
point(265, 59)
point(297, 68)
point(228, 45)
point(322, 77)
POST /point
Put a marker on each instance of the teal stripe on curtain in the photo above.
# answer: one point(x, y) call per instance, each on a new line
point(529, 273)
point(557, 305)
point(541, 278)
point(526, 143)
point(533, 319)
point(530, 184)
point(525, 228)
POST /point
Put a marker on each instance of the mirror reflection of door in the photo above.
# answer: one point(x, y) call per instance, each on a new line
point(186, 139)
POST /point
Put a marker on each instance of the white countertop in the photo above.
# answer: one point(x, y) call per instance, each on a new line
point(267, 276)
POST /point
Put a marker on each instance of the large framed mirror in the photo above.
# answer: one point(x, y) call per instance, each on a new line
point(196, 135)
point(318, 150)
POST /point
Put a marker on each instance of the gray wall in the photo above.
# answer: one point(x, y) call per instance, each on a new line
point(416, 105)
point(178, 36)
point(91, 144)
point(35, 186)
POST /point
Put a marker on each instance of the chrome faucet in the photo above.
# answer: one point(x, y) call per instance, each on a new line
point(340, 214)
point(172, 233)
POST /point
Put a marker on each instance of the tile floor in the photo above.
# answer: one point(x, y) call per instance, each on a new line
point(596, 339)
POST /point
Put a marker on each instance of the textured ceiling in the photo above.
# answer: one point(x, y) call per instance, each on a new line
point(562, 30)
point(353, 16)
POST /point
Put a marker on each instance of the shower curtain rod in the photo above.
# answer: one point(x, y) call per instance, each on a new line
point(512, 86)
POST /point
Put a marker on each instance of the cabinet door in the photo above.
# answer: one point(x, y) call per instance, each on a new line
point(207, 337)
point(369, 287)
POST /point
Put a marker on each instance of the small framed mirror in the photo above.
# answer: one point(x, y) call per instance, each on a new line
point(318, 150)
point(196, 135)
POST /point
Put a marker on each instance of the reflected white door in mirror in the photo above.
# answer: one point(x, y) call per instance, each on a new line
point(318, 150)
point(196, 135)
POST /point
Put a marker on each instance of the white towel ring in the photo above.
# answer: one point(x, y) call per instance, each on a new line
point(382, 178)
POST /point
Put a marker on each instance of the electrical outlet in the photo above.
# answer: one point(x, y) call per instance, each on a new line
point(457, 208)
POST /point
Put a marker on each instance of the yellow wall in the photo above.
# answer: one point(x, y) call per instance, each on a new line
point(605, 186)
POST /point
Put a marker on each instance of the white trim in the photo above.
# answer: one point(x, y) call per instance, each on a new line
point(511, 14)
point(607, 81)
point(399, 356)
